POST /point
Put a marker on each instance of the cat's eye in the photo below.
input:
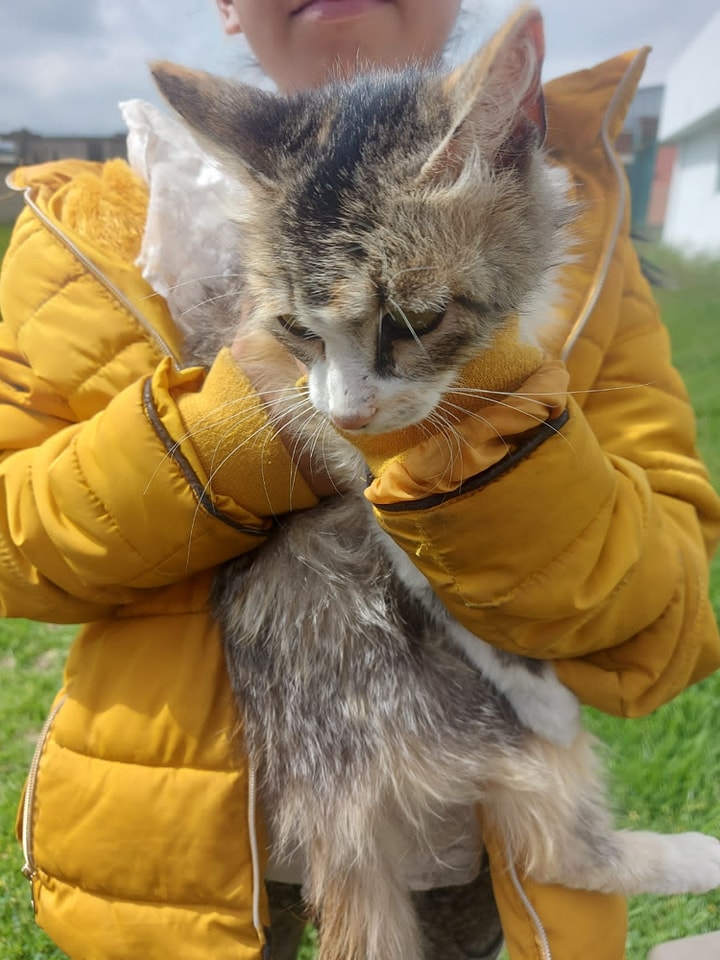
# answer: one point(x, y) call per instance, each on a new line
point(290, 325)
point(408, 323)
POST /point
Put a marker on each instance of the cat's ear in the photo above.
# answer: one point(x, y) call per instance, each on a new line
point(234, 122)
point(496, 100)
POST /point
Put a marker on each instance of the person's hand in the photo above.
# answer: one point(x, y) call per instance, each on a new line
point(274, 373)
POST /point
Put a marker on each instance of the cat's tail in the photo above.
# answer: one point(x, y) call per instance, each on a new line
point(548, 803)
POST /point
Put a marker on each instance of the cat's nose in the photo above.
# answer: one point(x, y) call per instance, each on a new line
point(352, 420)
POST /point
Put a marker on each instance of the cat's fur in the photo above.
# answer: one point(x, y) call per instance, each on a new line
point(370, 714)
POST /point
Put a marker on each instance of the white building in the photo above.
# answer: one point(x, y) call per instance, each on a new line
point(691, 119)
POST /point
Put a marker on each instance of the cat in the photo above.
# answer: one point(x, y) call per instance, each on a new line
point(391, 225)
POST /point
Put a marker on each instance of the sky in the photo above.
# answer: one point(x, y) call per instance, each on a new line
point(64, 66)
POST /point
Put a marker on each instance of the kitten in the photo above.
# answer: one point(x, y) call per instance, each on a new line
point(391, 226)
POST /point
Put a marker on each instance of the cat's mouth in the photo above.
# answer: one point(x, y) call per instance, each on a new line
point(335, 9)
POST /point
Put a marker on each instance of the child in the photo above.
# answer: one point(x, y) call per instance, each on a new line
point(140, 824)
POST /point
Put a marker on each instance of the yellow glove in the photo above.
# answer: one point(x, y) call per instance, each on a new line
point(509, 389)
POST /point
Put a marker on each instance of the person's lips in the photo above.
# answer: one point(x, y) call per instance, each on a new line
point(335, 9)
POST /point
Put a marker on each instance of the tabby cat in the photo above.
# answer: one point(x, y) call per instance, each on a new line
point(391, 225)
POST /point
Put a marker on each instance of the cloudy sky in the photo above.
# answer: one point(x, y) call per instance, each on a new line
point(64, 66)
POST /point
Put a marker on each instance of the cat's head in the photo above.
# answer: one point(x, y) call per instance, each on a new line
point(391, 223)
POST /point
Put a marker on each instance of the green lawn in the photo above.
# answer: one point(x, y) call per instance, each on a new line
point(665, 769)
point(31, 658)
point(5, 231)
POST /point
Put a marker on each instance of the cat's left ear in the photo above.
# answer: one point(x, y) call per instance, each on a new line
point(235, 122)
point(497, 101)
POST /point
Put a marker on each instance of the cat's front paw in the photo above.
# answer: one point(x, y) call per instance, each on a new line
point(551, 711)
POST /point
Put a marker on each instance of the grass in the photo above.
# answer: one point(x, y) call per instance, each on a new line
point(31, 658)
point(5, 231)
point(664, 769)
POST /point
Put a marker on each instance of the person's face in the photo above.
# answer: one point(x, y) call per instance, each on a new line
point(299, 43)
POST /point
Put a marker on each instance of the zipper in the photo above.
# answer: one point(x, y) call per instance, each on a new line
point(28, 868)
point(601, 276)
point(254, 850)
point(92, 268)
point(537, 924)
point(540, 931)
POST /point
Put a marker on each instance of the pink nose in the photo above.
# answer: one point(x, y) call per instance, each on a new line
point(352, 421)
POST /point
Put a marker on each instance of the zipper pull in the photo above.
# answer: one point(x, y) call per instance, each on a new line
point(29, 874)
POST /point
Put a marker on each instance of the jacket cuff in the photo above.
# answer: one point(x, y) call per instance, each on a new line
point(222, 430)
point(490, 438)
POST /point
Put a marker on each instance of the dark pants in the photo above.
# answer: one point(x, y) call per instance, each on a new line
point(458, 923)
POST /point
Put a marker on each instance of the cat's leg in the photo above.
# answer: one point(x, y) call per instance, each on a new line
point(363, 906)
point(549, 805)
point(353, 849)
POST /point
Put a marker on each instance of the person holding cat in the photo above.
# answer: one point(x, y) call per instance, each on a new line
point(121, 497)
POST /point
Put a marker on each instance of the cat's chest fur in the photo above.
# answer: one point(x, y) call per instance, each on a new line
point(333, 629)
point(335, 654)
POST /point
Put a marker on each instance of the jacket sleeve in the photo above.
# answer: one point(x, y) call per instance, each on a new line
point(592, 549)
point(147, 490)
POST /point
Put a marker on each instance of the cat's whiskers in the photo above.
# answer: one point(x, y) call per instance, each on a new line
point(278, 420)
point(184, 283)
point(407, 323)
point(207, 276)
point(297, 452)
point(264, 395)
point(308, 436)
point(321, 434)
point(203, 303)
point(483, 392)
point(500, 403)
point(379, 330)
point(309, 443)
point(211, 424)
point(263, 457)
point(268, 429)
point(452, 438)
point(464, 412)
point(463, 440)
point(236, 420)
point(454, 442)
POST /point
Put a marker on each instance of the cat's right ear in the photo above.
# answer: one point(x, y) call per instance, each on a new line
point(234, 122)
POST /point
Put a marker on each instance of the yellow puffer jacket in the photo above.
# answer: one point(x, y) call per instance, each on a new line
point(139, 823)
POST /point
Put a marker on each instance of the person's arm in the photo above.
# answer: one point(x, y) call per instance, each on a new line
point(589, 544)
point(91, 513)
point(119, 473)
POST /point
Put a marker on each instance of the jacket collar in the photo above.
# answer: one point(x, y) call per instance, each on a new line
point(586, 112)
point(66, 196)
